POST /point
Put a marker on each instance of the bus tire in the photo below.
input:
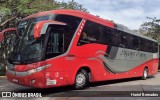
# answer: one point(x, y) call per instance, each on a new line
point(145, 74)
point(82, 79)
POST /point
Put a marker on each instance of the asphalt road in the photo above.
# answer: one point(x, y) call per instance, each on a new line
point(100, 90)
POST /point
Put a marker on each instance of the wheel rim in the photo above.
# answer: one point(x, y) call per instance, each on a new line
point(80, 79)
point(145, 73)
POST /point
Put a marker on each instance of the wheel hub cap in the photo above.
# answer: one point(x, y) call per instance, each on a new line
point(145, 73)
point(80, 79)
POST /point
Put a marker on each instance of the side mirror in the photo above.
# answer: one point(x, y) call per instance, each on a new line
point(41, 27)
point(2, 34)
point(38, 28)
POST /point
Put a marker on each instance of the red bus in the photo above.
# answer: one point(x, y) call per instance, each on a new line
point(70, 47)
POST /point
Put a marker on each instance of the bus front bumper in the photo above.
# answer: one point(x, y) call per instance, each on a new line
point(37, 80)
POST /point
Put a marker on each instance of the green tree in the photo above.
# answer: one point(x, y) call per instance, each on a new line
point(16, 9)
point(11, 11)
point(151, 28)
point(72, 5)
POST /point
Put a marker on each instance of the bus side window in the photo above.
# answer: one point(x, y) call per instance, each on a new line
point(149, 46)
point(109, 36)
point(90, 34)
point(118, 36)
point(142, 44)
point(135, 43)
point(155, 46)
point(124, 40)
point(114, 37)
point(129, 40)
point(105, 38)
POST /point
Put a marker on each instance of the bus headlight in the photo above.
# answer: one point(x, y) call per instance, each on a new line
point(31, 71)
point(37, 69)
point(40, 68)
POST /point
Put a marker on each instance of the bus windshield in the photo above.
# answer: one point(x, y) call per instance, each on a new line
point(28, 49)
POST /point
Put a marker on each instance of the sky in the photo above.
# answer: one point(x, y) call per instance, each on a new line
point(131, 13)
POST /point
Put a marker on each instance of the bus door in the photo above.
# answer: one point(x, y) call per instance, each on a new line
point(54, 49)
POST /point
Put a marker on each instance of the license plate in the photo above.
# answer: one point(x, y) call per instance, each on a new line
point(51, 82)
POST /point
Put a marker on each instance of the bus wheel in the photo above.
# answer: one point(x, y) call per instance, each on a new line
point(82, 79)
point(145, 74)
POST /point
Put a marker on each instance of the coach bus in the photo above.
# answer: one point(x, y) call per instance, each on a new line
point(70, 47)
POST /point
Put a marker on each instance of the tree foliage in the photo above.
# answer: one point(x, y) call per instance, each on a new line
point(73, 5)
point(151, 28)
point(12, 11)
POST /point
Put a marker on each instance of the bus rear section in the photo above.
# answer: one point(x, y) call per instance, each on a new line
point(66, 49)
point(114, 53)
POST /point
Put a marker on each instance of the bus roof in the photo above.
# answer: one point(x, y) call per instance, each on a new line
point(88, 16)
point(74, 13)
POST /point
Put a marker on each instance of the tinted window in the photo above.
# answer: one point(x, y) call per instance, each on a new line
point(155, 47)
point(119, 38)
point(106, 36)
point(90, 34)
point(72, 24)
point(135, 42)
point(27, 25)
point(114, 37)
point(124, 40)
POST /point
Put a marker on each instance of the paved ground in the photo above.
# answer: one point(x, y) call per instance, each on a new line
point(99, 90)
